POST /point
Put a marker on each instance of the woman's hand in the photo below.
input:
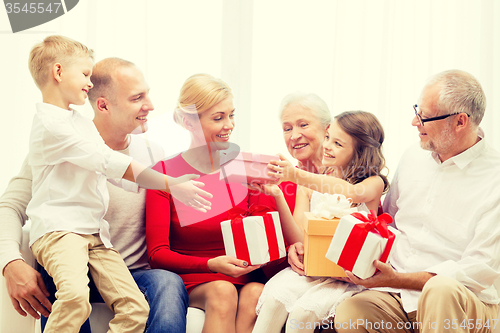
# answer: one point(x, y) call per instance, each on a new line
point(283, 169)
point(189, 192)
point(296, 257)
point(230, 266)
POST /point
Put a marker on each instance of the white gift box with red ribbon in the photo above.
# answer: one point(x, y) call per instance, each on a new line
point(360, 240)
point(255, 239)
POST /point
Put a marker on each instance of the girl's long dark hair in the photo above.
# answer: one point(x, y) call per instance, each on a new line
point(368, 135)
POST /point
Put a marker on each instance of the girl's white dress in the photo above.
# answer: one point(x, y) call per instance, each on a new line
point(320, 295)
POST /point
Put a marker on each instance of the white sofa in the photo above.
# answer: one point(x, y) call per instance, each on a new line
point(12, 322)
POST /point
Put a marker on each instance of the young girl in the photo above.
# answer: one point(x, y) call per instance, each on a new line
point(354, 160)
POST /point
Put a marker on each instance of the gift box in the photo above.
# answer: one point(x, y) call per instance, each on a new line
point(241, 167)
point(319, 227)
point(255, 239)
point(360, 240)
point(318, 233)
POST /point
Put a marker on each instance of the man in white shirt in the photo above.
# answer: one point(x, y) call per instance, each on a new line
point(121, 103)
point(445, 200)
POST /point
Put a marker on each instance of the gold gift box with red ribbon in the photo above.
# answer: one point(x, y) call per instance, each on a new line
point(359, 240)
point(254, 235)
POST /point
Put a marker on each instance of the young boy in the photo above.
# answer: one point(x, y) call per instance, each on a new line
point(70, 164)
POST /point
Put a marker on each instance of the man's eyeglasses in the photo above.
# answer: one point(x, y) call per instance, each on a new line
point(424, 120)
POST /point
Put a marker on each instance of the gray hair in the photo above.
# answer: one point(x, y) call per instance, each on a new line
point(308, 101)
point(460, 92)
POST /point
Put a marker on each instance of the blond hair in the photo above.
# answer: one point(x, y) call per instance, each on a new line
point(52, 50)
point(199, 93)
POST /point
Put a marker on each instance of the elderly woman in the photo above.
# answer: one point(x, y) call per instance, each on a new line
point(190, 243)
point(304, 120)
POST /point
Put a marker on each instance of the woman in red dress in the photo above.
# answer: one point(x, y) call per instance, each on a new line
point(189, 242)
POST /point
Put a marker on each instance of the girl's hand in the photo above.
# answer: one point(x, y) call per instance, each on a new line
point(296, 257)
point(268, 189)
point(283, 169)
point(230, 266)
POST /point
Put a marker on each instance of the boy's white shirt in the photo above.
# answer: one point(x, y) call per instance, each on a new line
point(127, 209)
point(70, 163)
point(126, 212)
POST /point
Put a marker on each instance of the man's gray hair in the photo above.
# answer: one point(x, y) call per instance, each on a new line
point(460, 92)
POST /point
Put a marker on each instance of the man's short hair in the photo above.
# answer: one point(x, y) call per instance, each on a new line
point(460, 92)
point(102, 77)
point(54, 49)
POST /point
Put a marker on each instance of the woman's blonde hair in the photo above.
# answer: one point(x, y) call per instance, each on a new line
point(199, 93)
point(368, 135)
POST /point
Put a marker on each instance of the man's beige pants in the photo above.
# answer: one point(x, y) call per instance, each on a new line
point(67, 257)
point(445, 305)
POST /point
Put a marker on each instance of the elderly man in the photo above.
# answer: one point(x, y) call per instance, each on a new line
point(445, 200)
point(120, 99)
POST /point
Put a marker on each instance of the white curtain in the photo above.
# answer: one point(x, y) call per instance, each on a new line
point(373, 55)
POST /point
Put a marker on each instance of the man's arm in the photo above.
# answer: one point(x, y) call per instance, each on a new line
point(477, 268)
point(24, 284)
point(13, 214)
point(386, 276)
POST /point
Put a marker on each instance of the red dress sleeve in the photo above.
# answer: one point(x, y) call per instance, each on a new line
point(159, 206)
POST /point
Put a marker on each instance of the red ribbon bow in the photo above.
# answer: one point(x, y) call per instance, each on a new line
point(253, 210)
point(237, 215)
point(357, 237)
point(374, 222)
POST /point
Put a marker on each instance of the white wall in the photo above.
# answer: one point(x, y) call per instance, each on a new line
point(371, 55)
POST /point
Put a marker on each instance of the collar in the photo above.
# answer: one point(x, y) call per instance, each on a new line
point(464, 158)
point(49, 108)
point(127, 146)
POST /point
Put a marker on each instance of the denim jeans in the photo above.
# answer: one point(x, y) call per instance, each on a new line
point(167, 297)
point(164, 291)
